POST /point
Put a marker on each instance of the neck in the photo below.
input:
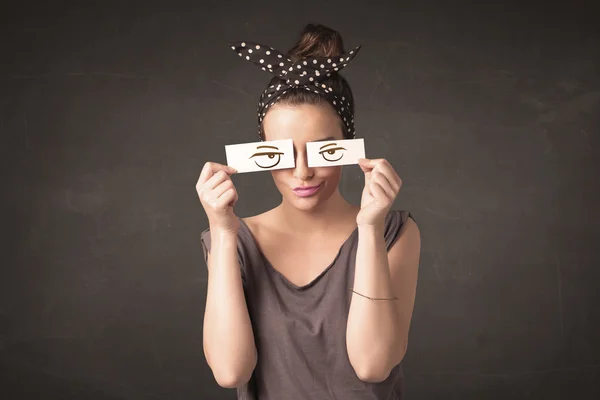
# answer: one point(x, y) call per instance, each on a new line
point(325, 217)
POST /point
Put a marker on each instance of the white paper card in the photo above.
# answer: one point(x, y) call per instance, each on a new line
point(261, 156)
point(335, 152)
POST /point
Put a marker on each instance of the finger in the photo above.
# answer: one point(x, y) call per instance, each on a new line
point(378, 192)
point(367, 175)
point(205, 174)
point(210, 169)
point(220, 197)
point(222, 188)
point(375, 164)
point(394, 182)
point(215, 180)
point(205, 191)
point(383, 181)
point(365, 164)
point(386, 168)
point(365, 169)
point(369, 162)
point(235, 198)
point(227, 199)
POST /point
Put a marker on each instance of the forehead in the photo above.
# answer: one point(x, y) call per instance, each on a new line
point(302, 123)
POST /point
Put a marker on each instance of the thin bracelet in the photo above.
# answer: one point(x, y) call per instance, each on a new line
point(373, 298)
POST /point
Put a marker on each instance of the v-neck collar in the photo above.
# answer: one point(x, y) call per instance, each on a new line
point(283, 277)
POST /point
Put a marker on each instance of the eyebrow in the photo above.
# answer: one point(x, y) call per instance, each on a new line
point(267, 147)
point(327, 145)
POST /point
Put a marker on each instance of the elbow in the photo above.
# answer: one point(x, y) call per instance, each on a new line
point(370, 369)
point(231, 380)
point(378, 369)
point(229, 377)
point(371, 374)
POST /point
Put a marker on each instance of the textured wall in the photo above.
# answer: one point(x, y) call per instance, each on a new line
point(490, 114)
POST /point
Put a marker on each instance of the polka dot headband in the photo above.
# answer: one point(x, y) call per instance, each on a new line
point(308, 73)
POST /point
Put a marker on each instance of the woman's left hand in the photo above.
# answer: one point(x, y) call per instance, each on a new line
point(382, 185)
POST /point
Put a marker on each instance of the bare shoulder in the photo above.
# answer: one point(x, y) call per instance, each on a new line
point(259, 223)
point(412, 226)
point(408, 245)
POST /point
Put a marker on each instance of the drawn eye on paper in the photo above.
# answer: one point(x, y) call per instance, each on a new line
point(267, 159)
point(335, 152)
point(261, 156)
point(331, 152)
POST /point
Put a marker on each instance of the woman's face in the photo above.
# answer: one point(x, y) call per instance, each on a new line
point(304, 123)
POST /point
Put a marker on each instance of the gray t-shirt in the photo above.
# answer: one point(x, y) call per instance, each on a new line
point(300, 332)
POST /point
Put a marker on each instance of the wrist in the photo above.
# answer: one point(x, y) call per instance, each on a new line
point(371, 233)
point(375, 228)
point(225, 235)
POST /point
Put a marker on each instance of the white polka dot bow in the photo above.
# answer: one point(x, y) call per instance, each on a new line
point(309, 73)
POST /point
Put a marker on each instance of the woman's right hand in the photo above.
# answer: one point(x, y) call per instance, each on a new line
point(218, 196)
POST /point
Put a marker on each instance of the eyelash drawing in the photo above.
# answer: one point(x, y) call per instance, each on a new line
point(261, 156)
point(331, 152)
point(270, 154)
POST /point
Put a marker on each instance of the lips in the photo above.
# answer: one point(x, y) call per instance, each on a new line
point(306, 191)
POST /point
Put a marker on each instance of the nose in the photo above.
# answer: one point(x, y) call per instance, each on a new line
point(302, 171)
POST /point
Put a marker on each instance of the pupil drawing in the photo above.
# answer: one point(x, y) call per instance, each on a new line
point(331, 152)
point(270, 155)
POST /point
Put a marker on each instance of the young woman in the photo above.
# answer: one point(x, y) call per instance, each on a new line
point(312, 299)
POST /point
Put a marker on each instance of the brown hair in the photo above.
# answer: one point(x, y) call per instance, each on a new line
point(316, 41)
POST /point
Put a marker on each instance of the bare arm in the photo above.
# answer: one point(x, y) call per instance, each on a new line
point(377, 331)
point(228, 341)
point(228, 338)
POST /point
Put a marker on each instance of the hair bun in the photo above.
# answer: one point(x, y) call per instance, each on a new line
point(317, 41)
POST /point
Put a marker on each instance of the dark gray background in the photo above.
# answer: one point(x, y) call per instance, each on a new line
point(489, 112)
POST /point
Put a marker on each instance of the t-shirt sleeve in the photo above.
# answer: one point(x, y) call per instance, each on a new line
point(394, 226)
point(205, 239)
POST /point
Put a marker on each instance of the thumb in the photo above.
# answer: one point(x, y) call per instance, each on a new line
point(365, 165)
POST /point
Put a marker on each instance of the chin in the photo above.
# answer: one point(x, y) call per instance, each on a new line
point(305, 204)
